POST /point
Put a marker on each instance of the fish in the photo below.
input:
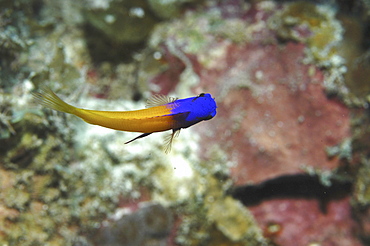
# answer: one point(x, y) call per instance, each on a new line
point(162, 113)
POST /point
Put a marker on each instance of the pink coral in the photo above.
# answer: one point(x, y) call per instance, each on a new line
point(302, 223)
point(273, 119)
point(274, 115)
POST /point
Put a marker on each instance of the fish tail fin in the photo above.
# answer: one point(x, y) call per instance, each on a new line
point(49, 99)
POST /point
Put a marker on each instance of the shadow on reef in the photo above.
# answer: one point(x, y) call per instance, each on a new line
point(293, 187)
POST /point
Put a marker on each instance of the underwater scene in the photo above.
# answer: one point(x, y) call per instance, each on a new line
point(184, 123)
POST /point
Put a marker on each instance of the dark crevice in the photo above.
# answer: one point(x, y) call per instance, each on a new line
point(300, 186)
point(103, 49)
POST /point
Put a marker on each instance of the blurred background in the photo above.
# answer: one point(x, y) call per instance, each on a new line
point(286, 160)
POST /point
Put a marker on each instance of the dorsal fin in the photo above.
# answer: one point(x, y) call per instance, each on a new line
point(158, 100)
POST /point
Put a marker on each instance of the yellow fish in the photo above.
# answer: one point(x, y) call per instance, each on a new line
point(162, 114)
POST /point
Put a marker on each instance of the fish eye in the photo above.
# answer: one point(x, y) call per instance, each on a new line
point(200, 95)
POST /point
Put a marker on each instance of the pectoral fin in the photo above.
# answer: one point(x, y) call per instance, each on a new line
point(169, 139)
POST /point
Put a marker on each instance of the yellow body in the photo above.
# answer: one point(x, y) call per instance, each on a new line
point(148, 120)
point(144, 120)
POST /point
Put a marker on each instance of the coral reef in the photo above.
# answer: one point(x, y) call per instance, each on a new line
point(311, 24)
point(137, 228)
point(120, 20)
point(284, 162)
point(283, 109)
